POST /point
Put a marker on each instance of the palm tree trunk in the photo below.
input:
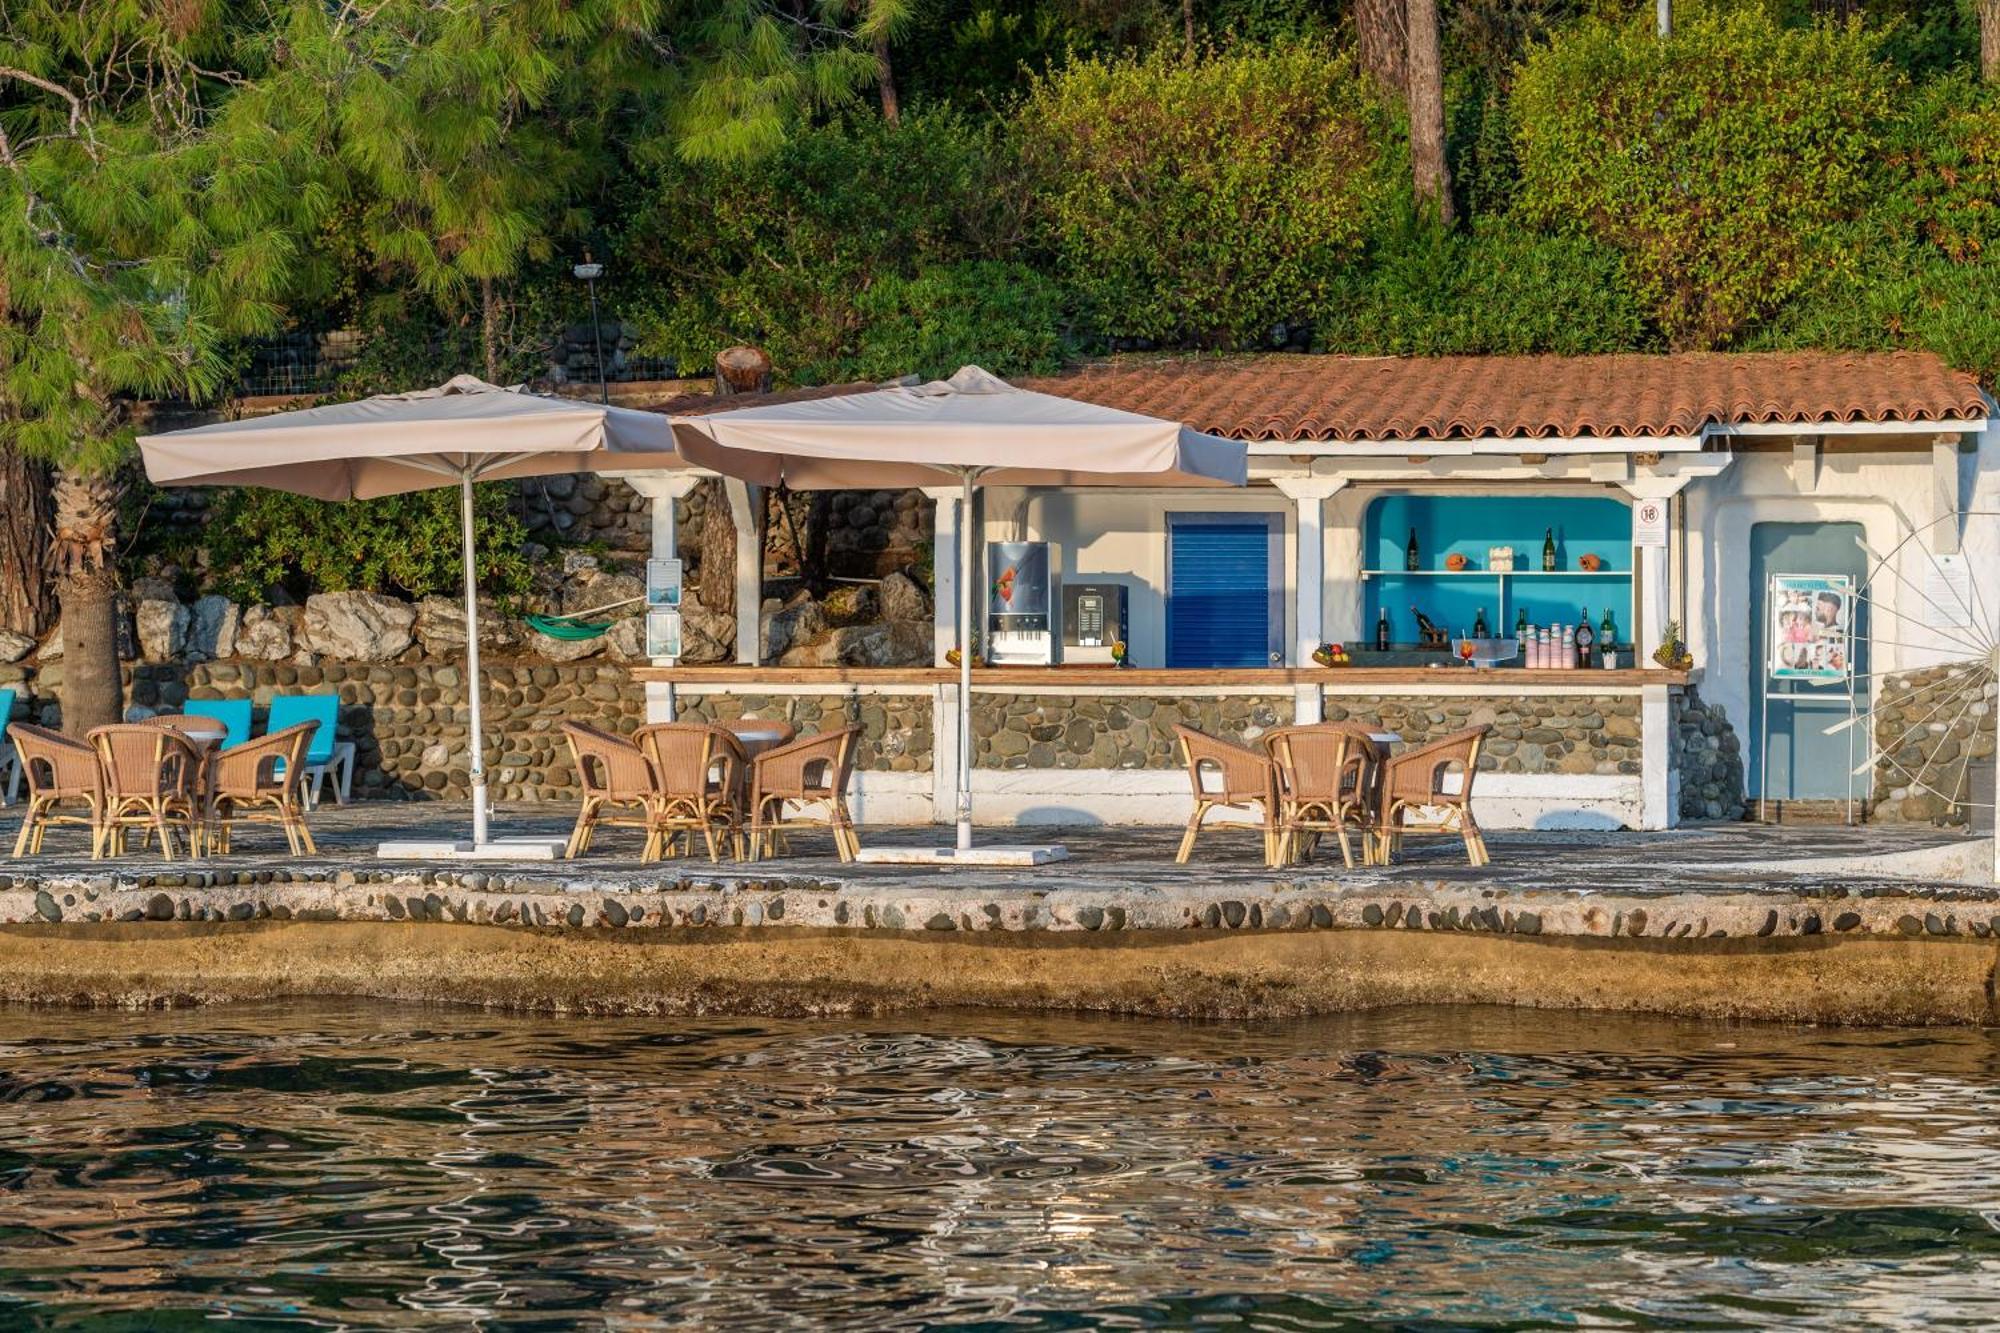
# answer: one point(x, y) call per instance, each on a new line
point(26, 606)
point(1432, 175)
point(82, 556)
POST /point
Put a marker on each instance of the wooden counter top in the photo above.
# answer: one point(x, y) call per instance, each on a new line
point(1057, 680)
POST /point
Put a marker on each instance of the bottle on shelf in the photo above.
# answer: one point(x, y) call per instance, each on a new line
point(1607, 633)
point(1382, 631)
point(1521, 624)
point(1479, 625)
point(1412, 560)
point(1425, 627)
point(1567, 660)
point(1548, 550)
point(1534, 637)
point(1584, 635)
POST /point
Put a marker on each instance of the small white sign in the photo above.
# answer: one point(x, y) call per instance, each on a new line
point(1649, 523)
point(1947, 592)
point(663, 634)
point(663, 583)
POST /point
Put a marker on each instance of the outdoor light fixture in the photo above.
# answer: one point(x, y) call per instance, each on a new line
point(589, 271)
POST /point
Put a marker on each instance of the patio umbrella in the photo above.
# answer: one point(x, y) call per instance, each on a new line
point(463, 431)
point(974, 429)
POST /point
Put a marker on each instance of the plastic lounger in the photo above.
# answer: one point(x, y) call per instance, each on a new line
point(233, 714)
point(327, 753)
point(10, 762)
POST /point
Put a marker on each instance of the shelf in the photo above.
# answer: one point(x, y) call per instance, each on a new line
point(1497, 573)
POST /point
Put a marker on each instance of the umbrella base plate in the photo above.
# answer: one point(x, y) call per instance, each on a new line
point(1039, 855)
point(499, 849)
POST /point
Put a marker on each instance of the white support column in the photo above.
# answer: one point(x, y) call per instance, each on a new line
point(944, 574)
point(1945, 495)
point(745, 502)
point(1655, 600)
point(1308, 496)
point(663, 490)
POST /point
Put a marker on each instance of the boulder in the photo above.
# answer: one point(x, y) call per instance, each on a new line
point(903, 643)
point(440, 627)
point(358, 626)
point(264, 633)
point(51, 649)
point(162, 626)
point(597, 588)
point(626, 641)
point(903, 599)
point(564, 650)
point(795, 624)
point(706, 636)
point(212, 625)
point(14, 647)
point(153, 588)
point(850, 604)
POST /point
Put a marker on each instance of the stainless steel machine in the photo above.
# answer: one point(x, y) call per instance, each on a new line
point(1019, 617)
point(1093, 620)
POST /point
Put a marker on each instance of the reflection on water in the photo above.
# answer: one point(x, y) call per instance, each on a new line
point(376, 1166)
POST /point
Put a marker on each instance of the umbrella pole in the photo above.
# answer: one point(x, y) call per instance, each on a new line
point(965, 577)
point(478, 741)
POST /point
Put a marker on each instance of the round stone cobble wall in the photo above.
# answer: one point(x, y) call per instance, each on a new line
point(895, 728)
point(1535, 733)
point(1110, 731)
point(1934, 733)
point(1708, 754)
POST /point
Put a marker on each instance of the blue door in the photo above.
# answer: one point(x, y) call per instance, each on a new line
point(1225, 608)
point(1798, 760)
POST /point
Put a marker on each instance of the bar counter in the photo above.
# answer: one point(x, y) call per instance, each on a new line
point(1089, 678)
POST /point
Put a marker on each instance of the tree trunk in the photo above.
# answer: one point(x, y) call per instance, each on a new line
point(1989, 40)
point(1187, 23)
point(1381, 29)
point(1431, 174)
point(82, 556)
point(885, 79)
point(26, 606)
point(1663, 18)
point(737, 370)
point(489, 330)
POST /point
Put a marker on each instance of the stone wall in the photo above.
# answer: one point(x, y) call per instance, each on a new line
point(1934, 731)
point(1708, 755)
point(895, 728)
point(1110, 731)
point(1534, 733)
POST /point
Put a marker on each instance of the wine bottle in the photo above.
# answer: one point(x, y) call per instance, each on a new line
point(1549, 550)
point(1521, 624)
point(1607, 633)
point(1583, 641)
point(1424, 625)
point(1411, 559)
point(1479, 624)
point(1382, 631)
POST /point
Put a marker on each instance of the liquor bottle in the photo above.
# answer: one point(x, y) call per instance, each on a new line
point(1424, 626)
point(1567, 659)
point(1583, 641)
point(1411, 560)
point(1479, 624)
point(1607, 633)
point(1521, 624)
point(1382, 631)
point(1549, 550)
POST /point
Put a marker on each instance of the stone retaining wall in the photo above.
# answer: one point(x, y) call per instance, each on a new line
point(1109, 731)
point(1709, 757)
point(1534, 733)
point(1934, 730)
point(895, 728)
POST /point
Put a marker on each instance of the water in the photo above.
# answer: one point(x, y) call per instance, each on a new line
point(372, 1166)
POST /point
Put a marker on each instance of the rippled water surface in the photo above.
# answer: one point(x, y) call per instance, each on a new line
point(380, 1166)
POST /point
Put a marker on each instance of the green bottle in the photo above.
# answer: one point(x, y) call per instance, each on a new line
point(1607, 633)
point(1549, 550)
point(1521, 624)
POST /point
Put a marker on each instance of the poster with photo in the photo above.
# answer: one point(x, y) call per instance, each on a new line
point(663, 583)
point(1812, 626)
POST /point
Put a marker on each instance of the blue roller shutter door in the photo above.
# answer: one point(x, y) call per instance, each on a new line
point(1219, 593)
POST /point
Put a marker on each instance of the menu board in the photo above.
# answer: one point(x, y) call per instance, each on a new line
point(1811, 627)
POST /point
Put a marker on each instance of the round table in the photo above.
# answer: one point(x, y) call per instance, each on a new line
point(757, 734)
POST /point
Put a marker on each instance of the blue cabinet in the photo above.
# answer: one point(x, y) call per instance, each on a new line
point(1467, 525)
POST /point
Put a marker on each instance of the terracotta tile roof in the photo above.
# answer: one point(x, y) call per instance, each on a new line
point(702, 404)
point(1338, 398)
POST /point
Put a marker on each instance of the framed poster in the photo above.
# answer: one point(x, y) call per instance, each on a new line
point(663, 583)
point(1811, 627)
point(663, 634)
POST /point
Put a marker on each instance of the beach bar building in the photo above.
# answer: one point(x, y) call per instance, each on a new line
point(1396, 505)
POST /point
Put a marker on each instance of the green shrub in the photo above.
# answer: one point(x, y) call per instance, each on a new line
point(1726, 164)
point(407, 544)
point(1207, 200)
point(1005, 317)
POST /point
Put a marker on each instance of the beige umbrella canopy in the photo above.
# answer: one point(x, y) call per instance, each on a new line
point(463, 431)
point(972, 429)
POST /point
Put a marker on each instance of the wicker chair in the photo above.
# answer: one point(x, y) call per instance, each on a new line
point(812, 770)
point(699, 772)
point(261, 781)
point(1326, 779)
point(65, 786)
point(150, 784)
point(1429, 790)
point(614, 776)
point(1225, 775)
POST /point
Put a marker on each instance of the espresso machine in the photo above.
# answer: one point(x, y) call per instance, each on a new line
point(1093, 621)
point(1019, 616)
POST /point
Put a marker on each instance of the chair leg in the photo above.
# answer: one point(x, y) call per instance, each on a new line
point(1193, 827)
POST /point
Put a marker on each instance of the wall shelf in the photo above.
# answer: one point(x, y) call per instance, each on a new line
point(1498, 573)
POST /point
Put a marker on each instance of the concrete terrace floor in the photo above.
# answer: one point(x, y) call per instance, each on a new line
point(1731, 858)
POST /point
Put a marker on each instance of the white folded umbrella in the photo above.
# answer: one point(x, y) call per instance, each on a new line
point(972, 429)
point(463, 431)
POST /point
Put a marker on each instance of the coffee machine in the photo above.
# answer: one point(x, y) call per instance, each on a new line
point(1093, 620)
point(1018, 612)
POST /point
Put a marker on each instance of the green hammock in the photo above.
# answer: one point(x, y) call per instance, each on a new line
point(557, 628)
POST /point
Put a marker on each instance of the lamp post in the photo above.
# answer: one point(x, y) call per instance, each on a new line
point(590, 271)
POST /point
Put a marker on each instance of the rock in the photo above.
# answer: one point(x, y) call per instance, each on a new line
point(902, 599)
point(902, 644)
point(440, 627)
point(597, 589)
point(151, 588)
point(162, 627)
point(264, 633)
point(849, 604)
point(358, 626)
point(564, 650)
point(212, 625)
point(626, 642)
point(52, 647)
point(705, 636)
point(14, 647)
point(793, 625)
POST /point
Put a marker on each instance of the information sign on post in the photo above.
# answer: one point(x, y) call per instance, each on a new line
point(663, 583)
point(1649, 523)
point(663, 634)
